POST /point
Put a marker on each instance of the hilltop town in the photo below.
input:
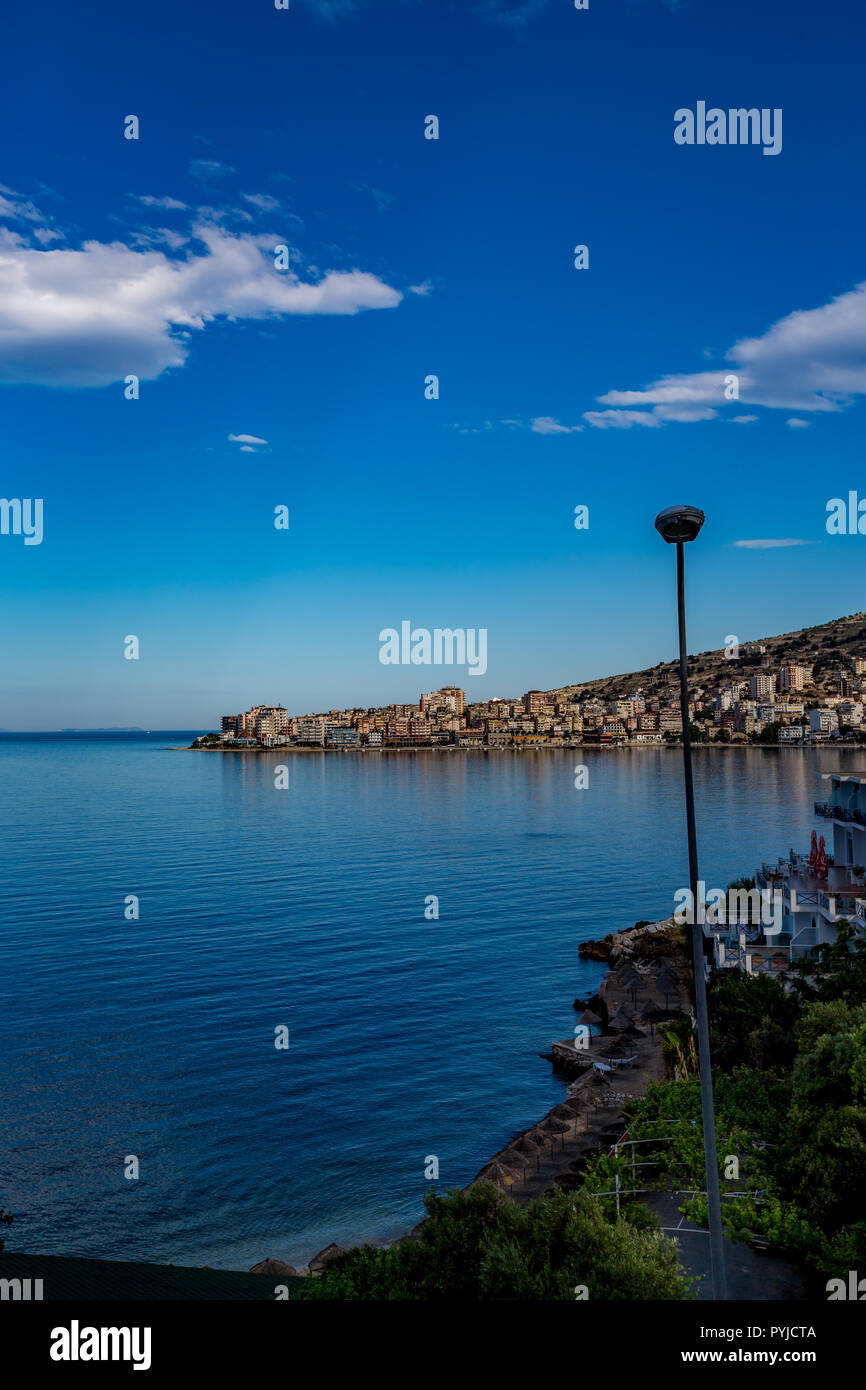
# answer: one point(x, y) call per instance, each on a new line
point(801, 687)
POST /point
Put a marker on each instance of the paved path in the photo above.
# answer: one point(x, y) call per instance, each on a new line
point(751, 1276)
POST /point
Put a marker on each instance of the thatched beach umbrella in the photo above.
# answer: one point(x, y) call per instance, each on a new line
point(274, 1269)
point(665, 976)
point(590, 1018)
point(498, 1173)
point(623, 1017)
point(318, 1262)
point(525, 1145)
point(666, 982)
point(551, 1125)
point(629, 978)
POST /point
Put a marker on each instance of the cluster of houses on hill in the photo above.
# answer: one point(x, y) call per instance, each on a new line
point(771, 704)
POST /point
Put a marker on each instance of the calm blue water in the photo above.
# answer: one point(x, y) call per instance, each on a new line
point(305, 907)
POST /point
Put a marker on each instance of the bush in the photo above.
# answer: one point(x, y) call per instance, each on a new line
point(479, 1246)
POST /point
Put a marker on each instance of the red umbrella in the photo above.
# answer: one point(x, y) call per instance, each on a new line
point(821, 862)
point(813, 853)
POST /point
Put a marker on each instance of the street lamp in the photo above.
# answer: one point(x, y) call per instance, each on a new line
point(677, 525)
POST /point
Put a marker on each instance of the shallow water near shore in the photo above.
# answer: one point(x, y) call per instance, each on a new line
point(305, 908)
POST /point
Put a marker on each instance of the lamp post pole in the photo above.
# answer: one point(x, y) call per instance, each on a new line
point(678, 525)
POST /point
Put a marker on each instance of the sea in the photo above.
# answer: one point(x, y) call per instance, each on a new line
point(240, 1018)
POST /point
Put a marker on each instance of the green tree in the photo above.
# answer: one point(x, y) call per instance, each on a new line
point(770, 732)
point(478, 1246)
point(752, 1021)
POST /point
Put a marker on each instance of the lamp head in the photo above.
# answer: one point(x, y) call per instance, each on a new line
point(679, 523)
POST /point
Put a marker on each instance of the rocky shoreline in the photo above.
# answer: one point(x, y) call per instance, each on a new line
point(614, 1057)
point(647, 982)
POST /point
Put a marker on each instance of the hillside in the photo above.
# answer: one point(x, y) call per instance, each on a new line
point(823, 647)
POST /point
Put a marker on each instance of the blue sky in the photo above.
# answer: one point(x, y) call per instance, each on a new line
point(410, 257)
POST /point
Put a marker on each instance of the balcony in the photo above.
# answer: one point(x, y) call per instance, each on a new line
point(831, 810)
point(837, 895)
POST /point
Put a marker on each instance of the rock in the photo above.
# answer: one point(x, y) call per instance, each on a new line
point(596, 950)
point(318, 1262)
point(275, 1268)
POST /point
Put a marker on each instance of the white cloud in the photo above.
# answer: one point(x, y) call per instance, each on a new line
point(170, 204)
point(768, 544)
point(89, 317)
point(796, 424)
point(15, 207)
point(745, 419)
point(205, 170)
point(382, 199)
point(812, 360)
point(159, 236)
point(424, 288)
point(247, 439)
point(620, 419)
point(45, 235)
point(545, 424)
point(265, 202)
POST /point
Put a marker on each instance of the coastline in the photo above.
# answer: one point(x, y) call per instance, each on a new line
point(647, 981)
point(508, 748)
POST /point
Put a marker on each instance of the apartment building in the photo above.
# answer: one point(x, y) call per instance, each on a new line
point(762, 686)
point(338, 736)
point(455, 698)
point(794, 676)
point(823, 721)
point(310, 729)
point(271, 721)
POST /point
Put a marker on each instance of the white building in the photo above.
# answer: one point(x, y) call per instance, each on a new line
point(793, 733)
point(309, 729)
point(823, 721)
point(812, 907)
point(762, 686)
